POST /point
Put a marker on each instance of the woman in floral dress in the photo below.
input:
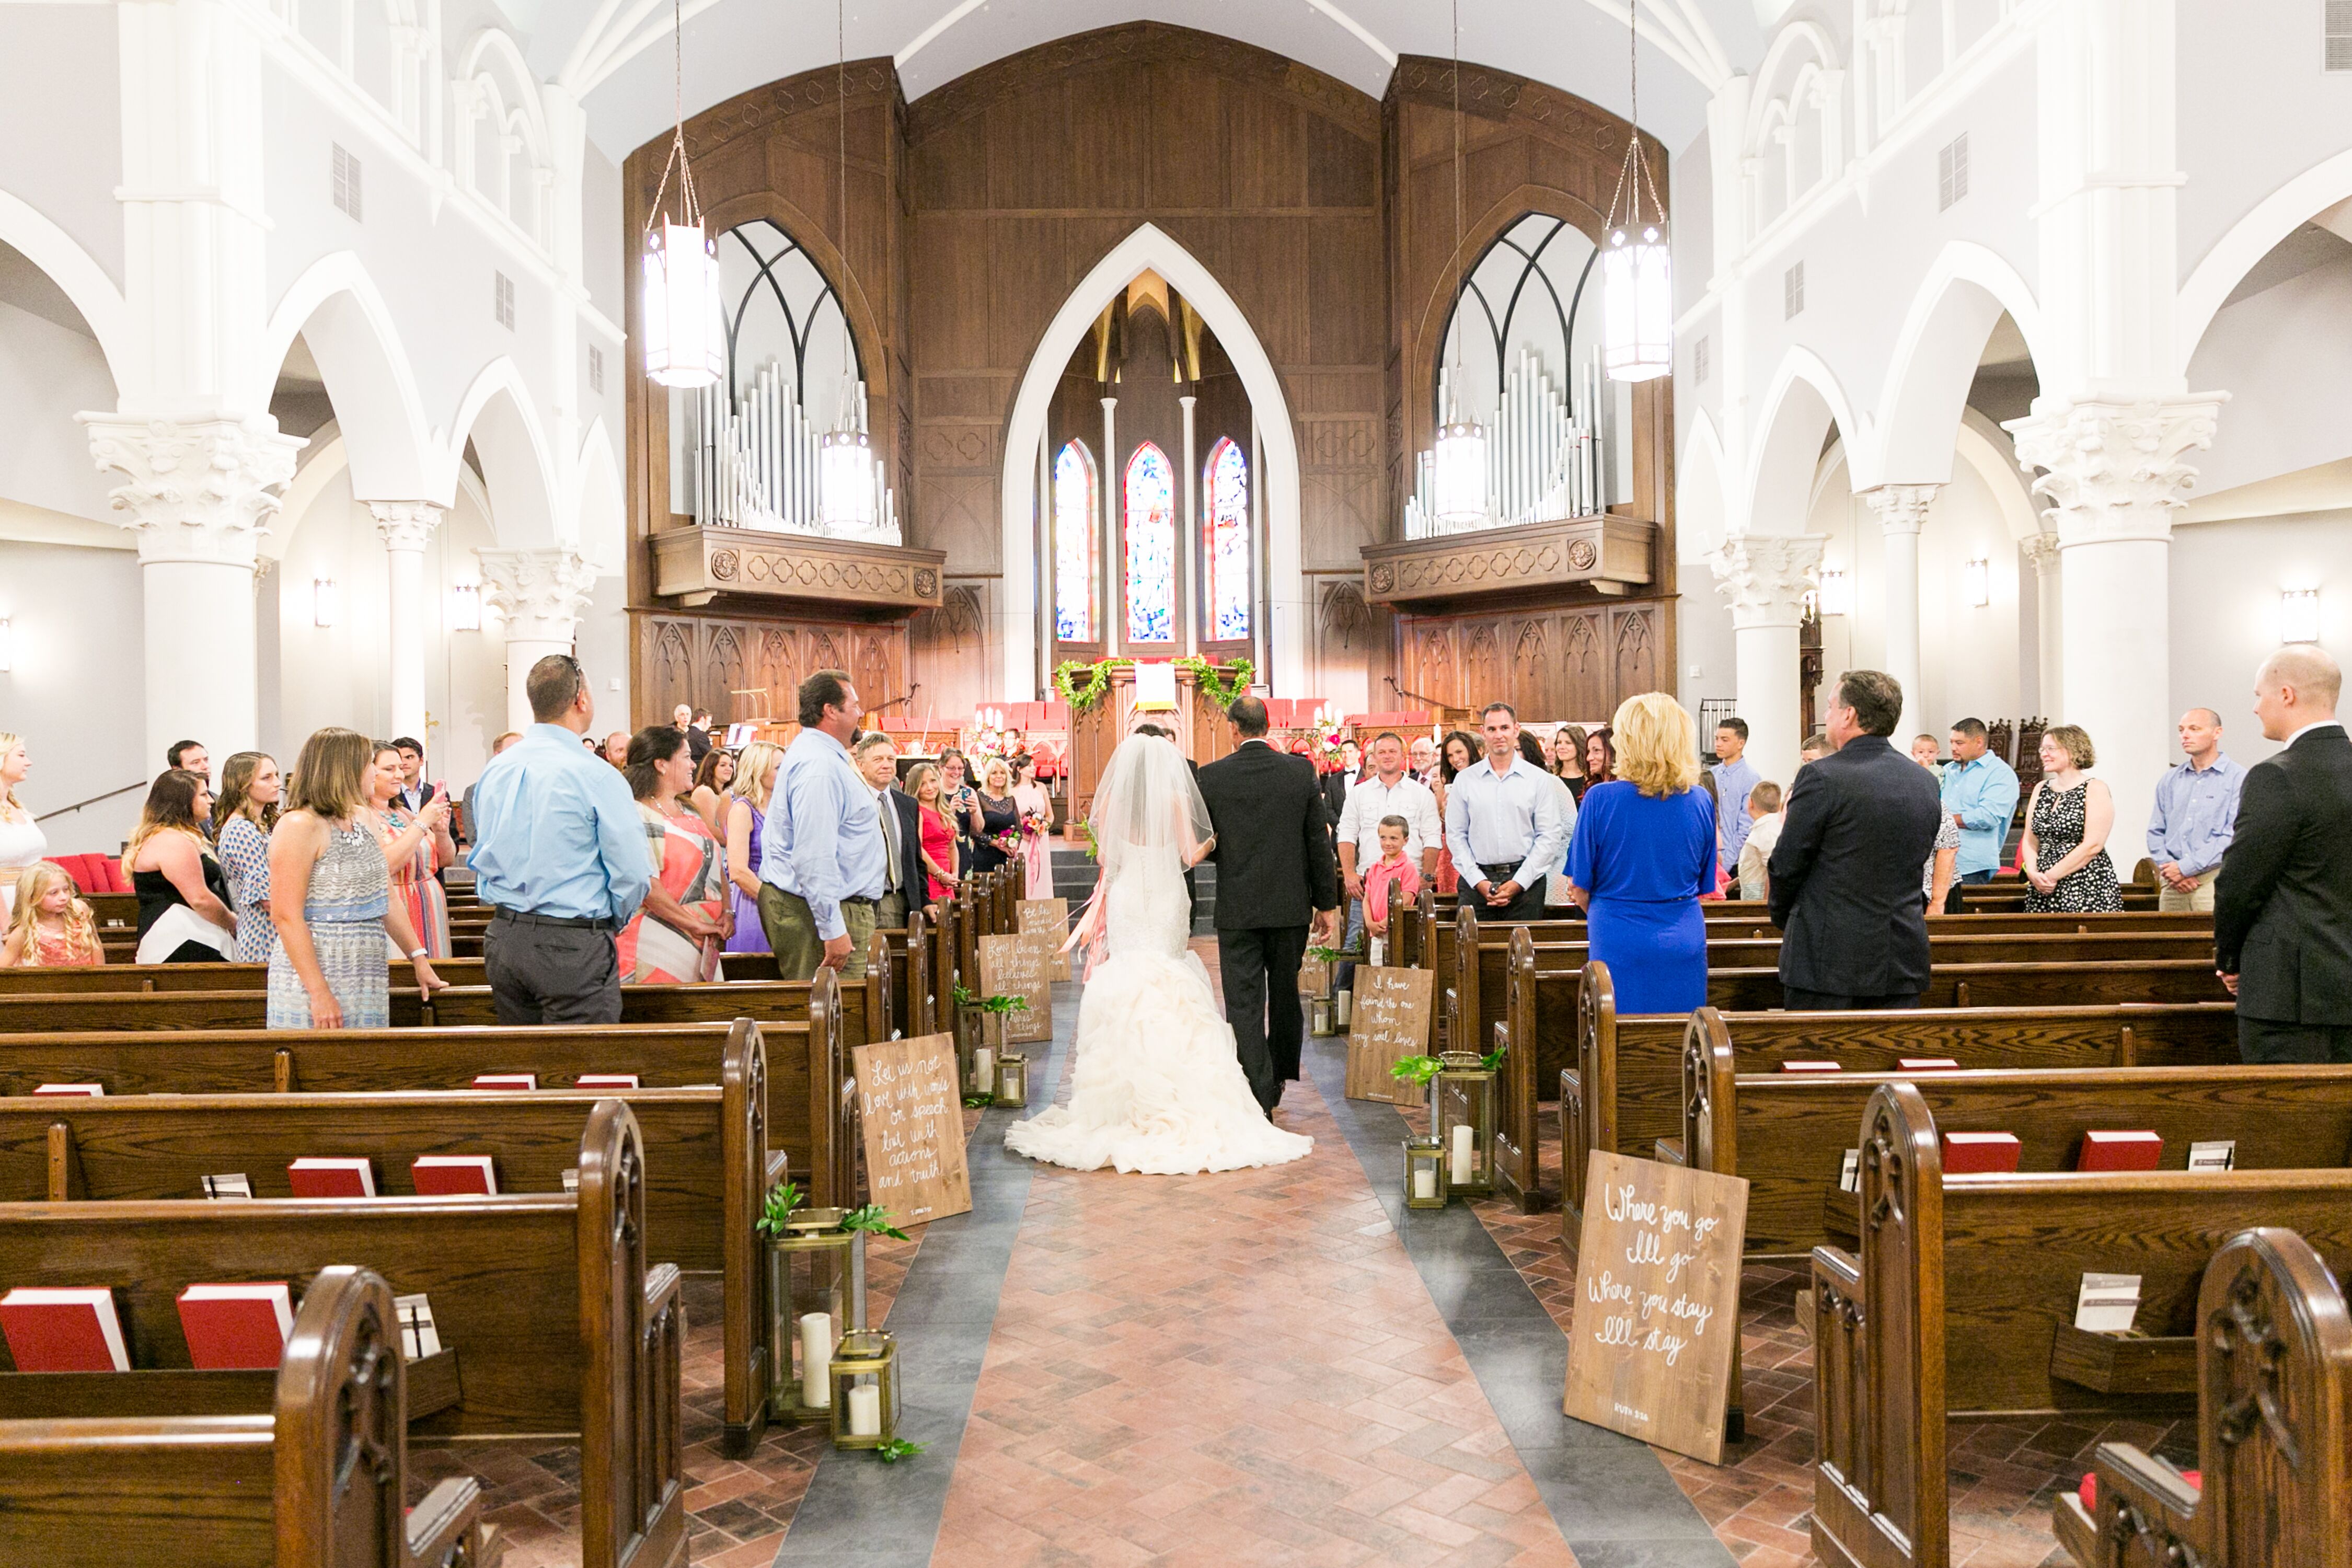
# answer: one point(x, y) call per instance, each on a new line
point(677, 934)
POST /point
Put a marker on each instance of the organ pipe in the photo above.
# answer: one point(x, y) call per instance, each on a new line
point(754, 461)
point(1548, 459)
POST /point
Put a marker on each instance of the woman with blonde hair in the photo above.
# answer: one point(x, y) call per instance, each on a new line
point(928, 783)
point(2064, 851)
point(1643, 855)
point(330, 896)
point(242, 819)
point(23, 845)
point(184, 913)
point(747, 813)
point(52, 928)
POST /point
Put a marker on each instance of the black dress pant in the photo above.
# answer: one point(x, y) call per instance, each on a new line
point(1798, 1001)
point(1528, 906)
point(2268, 1040)
point(1259, 967)
point(551, 974)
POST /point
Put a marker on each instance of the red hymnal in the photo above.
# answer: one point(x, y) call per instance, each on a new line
point(85, 1088)
point(63, 1330)
point(440, 1175)
point(233, 1326)
point(607, 1080)
point(1811, 1066)
point(2120, 1151)
point(1969, 1152)
point(1924, 1064)
point(332, 1178)
point(506, 1080)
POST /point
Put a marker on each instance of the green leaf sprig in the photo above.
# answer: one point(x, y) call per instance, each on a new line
point(873, 1218)
point(1004, 1004)
point(895, 1449)
point(1493, 1060)
point(783, 1199)
point(1416, 1070)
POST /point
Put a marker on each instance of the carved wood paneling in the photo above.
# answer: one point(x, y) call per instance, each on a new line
point(1572, 662)
point(743, 668)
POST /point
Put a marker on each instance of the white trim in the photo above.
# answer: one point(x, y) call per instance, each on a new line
point(502, 375)
point(1961, 261)
point(2226, 263)
point(1798, 363)
point(25, 229)
point(394, 476)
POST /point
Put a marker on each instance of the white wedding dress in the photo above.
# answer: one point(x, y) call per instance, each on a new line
point(1156, 1088)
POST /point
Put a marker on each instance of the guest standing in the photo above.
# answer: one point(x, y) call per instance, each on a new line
point(2282, 904)
point(52, 927)
point(190, 756)
point(1644, 852)
point(1391, 791)
point(414, 790)
point(905, 882)
point(823, 863)
point(242, 819)
point(331, 906)
point(747, 811)
point(2196, 810)
point(416, 844)
point(938, 840)
point(1765, 820)
point(1422, 757)
point(1036, 829)
point(1735, 775)
point(1599, 757)
point(1845, 875)
point(1503, 824)
point(562, 861)
point(962, 803)
point(714, 771)
point(999, 816)
point(1979, 794)
point(1458, 754)
point(2066, 828)
point(688, 723)
point(1555, 893)
point(1567, 745)
point(616, 748)
point(23, 845)
point(184, 913)
point(675, 935)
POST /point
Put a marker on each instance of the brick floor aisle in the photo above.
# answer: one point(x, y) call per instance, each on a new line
point(1231, 1369)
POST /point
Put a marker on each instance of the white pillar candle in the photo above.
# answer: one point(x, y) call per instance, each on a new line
point(1461, 1174)
point(1425, 1184)
point(984, 1071)
point(864, 1410)
point(816, 1358)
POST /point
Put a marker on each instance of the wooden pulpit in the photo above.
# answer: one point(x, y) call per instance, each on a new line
point(1198, 723)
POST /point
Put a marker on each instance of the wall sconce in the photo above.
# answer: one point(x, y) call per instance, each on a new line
point(1977, 577)
point(1837, 591)
point(7, 646)
point(466, 608)
point(326, 602)
point(2298, 616)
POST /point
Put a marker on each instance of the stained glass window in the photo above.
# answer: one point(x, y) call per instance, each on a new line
point(1225, 543)
point(1075, 531)
point(1150, 547)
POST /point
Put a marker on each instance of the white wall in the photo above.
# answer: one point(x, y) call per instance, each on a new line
point(2226, 581)
point(603, 642)
point(48, 373)
point(2255, 109)
point(61, 115)
point(73, 692)
point(2282, 355)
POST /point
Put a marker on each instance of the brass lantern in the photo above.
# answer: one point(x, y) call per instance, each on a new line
point(1012, 1081)
point(1320, 1018)
point(1425, 1173)
point(817, 1292)
point(865, 1390)
point(1461, 1114)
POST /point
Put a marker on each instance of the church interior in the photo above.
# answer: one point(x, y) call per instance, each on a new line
point(1046, 371)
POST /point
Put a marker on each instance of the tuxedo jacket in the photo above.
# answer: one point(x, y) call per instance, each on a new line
point(1273, 858)
point(2282, 904)
point(1334, 787)
point(913, 876)
point(1845, 875)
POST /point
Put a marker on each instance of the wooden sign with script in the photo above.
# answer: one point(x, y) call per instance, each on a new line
point(912, 1118)
point(1021, 966)
point(1037, 917)
point(1657, 1303)
point(1313, 977)
point(1391, 1023)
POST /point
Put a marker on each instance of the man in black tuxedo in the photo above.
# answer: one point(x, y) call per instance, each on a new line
point(2282, 904)
point(1846, 873)
point(1275, 872)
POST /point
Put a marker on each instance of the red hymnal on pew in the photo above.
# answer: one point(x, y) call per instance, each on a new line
point(237, 1327)
point(446, 1175)
point(331, 1178)
point(506, 1080)
point(606, 1080)
point(1966, 1154)
point(71, 1329)
point(1811, 1066)
point(2120, 1151)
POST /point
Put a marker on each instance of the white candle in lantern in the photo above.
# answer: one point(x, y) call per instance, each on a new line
point(1461, 1174)
point(816, 1358)
point(984, 1071)
point(864, 1410)
point(1425, 1184)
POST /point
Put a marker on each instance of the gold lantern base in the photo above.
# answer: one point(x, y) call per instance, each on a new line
point(867, 1358)
point(1320, 1018)
point(1463, 1095)
point(1012, 1082)
point(1425, 1173)
point(830, 1278)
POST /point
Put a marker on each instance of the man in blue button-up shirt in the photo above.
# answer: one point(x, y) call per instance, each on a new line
point(2196, 813)
point(822, 860)
point(1735, 775)
point(1980, 797)
point(560, 855)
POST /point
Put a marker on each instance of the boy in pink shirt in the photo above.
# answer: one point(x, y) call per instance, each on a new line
point(1393, 880)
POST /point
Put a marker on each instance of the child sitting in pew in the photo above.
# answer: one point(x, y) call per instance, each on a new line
point(53, 929)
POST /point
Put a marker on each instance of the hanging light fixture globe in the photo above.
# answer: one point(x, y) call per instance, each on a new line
point(1637, 302)
point(685, 341)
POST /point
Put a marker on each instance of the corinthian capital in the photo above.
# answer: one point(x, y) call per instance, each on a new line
point(1765, 576)
point(1901, 509)
point(540, 591)
point(202, 490)
point(2113, 470)
point(404, 524)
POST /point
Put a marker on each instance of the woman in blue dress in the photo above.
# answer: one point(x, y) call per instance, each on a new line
point(1642, 853)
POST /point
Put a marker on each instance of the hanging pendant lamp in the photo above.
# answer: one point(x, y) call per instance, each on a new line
point(1458, 466)
point(684, 339)
point(1637, 288)
point(845, 475)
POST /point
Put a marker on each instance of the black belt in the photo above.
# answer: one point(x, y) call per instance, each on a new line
point(573, 922)
point(1500, 873)
point(858, 898)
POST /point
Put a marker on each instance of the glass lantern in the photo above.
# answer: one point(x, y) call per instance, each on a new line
point(1425, 1173)
point(817, 1292)
point(865, 1390)
point(1461, 1114)
point(1012, 1081)
point(1320, 1018)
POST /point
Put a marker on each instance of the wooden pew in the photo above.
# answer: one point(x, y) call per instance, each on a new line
point(2274, 1454)
point(124, 1474)
point(1961, 1305)
point(558, 1323)
point(707, 1167)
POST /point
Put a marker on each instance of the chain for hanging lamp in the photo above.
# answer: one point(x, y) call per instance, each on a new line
point(684, 323)
point(845, 475)
point(1458, 465)
point(1637, 289)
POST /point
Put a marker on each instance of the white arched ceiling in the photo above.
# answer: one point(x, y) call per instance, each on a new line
point(497, 416)
point(338, 311)
point(24, 229)
point(1150, 248)
point(1935, 359)
point(2219, 270)
point(1805, 401)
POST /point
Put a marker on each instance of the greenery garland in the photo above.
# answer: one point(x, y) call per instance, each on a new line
point(1082, 685)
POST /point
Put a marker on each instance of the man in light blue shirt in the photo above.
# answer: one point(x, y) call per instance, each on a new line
point(823, 860)
point(1980, 797)
point(2196, 816)
point(1505, 825)
point(1735, 775)
point(560, 856)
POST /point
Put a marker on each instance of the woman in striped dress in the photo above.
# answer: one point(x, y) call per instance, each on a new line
point(677, 934)
point(415, 845)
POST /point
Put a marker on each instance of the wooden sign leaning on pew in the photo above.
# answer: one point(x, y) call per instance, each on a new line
point(912, 1118)
point(1657, 1303)
point(1391, 1022)
point(1050, 917)
point(1022, 966)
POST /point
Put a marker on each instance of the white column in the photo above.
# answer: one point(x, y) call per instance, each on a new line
point(541, 593)
point(2049, 622)
point(1765, 576)
point(200, 497)
point(1188, 541)
point(1901, 509)
point(1114, 621)
point(404, 526)
point(2114, 476)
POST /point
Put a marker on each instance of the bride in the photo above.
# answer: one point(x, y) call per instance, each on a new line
point(1157, 1087)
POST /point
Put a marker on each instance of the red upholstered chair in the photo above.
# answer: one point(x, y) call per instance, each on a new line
point(115, 882)
point(87, 878)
